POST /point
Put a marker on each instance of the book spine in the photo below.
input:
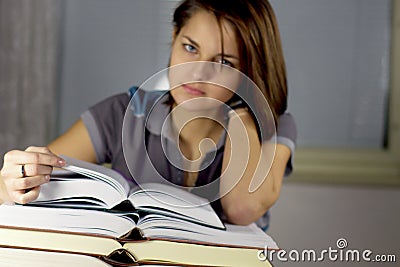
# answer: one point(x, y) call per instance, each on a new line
point(120, 257)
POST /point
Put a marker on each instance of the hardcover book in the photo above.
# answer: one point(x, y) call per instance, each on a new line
point(98, 214)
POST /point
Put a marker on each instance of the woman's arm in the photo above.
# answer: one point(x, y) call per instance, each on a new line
point(75, 143)
point(241, 157)
point(37, 164)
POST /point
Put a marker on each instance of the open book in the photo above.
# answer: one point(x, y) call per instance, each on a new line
point(115, 237)
point(99, 187)
point(12, 257)
point(129, 253)
point(124, 226)
point(147, 234)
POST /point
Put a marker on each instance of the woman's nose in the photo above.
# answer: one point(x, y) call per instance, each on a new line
point(203, 71)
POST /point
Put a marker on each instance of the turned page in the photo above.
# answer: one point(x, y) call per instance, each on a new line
point(173, 201)
point(84, 185)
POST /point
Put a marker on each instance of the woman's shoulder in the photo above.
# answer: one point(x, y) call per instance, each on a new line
point(113, 102)
point(142, 101)
point(287, 126)
point(133, 96)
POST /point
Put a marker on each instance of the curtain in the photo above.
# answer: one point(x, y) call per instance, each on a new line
point(29, 55)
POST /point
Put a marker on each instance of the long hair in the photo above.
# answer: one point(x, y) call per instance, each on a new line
point(260, 48)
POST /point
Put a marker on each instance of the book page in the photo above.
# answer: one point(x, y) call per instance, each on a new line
point(172, 201)
point(85, 185)
point(33, 258)
point(69, 220)
point(99, 172)
point(105, 185)
point(157, 227)
point(191, 254)
point(58, 242)
point(78, 192)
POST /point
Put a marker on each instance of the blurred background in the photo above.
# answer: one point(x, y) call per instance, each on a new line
point(59, 57)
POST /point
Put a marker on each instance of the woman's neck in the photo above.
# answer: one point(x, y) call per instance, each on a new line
point(195, 126)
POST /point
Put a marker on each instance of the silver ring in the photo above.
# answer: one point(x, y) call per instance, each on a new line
point(23, 170)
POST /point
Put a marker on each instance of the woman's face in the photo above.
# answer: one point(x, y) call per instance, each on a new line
point(208, 73)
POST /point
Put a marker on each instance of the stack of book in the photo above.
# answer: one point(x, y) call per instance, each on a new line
point(89, 215)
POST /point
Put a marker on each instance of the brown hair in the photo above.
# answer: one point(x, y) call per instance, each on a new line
point(261, 55)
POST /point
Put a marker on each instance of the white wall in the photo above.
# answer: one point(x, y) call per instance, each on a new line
point(315, 216)
point(337, 55)
point(108, 47)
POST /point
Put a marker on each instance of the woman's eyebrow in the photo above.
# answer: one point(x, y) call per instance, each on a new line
point(220, 55)
point(191, 40)
point(228, 56)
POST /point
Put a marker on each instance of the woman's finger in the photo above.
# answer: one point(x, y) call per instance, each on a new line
point(18, 157)
point(22, 184)
point(24, 170)
point(40, 149)
point(23, 197)
point(34, 169)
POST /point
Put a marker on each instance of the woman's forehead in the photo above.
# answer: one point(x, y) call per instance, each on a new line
point(204, 28)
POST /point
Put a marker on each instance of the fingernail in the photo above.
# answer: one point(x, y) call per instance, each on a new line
point(47, 177)
point(61, 162)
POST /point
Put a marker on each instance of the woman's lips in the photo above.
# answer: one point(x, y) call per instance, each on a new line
point(192, 90)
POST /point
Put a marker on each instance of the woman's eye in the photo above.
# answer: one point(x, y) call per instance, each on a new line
point(225, 62)
point(189, 48)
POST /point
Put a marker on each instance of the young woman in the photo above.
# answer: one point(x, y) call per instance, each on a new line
point(234, 34)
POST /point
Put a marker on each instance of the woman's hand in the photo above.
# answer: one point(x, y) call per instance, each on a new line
point(24, 171)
